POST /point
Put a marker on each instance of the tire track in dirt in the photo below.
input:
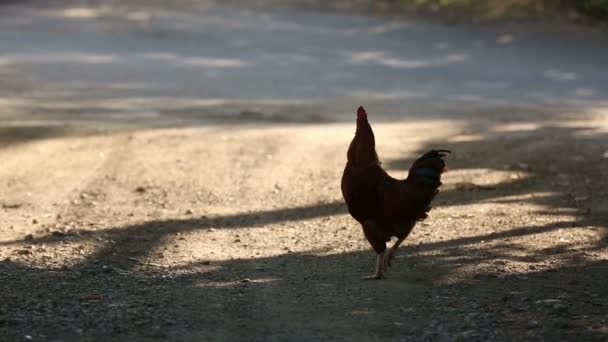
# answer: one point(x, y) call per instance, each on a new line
point(49, 171)
point(91, 205)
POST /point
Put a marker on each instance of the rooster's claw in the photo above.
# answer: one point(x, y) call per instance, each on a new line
point(374, 277)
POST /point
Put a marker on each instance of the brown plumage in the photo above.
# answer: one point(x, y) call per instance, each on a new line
point(385, 206)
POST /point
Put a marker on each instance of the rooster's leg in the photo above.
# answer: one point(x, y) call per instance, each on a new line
point(379, 267)
point(392, 251)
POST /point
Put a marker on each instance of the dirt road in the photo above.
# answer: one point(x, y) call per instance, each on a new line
point(173, 173)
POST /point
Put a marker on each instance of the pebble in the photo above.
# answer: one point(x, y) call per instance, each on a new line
point(548, 302)
point(532, 324)
point(559, 307)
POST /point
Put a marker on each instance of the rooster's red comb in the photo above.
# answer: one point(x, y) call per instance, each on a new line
point(361, 114)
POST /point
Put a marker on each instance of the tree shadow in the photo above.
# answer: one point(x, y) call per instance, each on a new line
point(501, 285)
point(501, 288)
point(404, 70)
point(497, 282)
point(554, 167)
point(312, 295)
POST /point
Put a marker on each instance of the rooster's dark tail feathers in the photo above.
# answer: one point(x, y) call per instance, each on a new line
point(428, 168)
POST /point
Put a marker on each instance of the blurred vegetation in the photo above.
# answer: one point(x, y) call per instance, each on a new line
point(596, 8)
point(487, 9)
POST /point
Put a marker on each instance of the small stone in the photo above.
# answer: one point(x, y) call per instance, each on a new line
point(246, 280)
point(94, 296)
point(11, 205)
point(548, 302)
point(29, 237)
point(563, 324)
point(532, 324)
point(559, 307)
point(188, 212)
point(468, 333)
point(34, 221)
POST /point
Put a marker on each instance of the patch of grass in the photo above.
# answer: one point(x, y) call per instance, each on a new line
point(492, 9)
point(442, 4)
point(475, 9)
point(594, 8)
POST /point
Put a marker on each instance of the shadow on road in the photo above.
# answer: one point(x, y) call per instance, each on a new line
point(566, 299)
point(549, 142)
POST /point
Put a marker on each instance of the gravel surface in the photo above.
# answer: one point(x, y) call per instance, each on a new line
point(173, 173)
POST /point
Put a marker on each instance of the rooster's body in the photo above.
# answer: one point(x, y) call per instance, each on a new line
point(385, 206)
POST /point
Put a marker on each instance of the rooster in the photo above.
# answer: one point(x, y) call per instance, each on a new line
point(384, 206)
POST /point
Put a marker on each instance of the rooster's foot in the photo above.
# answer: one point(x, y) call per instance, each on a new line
point(379, 268)
point(374, 277)
point(388, 260)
